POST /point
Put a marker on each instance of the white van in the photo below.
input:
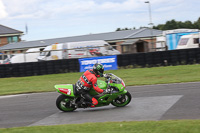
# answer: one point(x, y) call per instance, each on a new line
point(7, 60)
point(30, 56)
point(188, 41)
point(77, 50)
point(2, 57)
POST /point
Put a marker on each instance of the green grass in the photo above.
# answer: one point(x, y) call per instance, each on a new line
point(169, 126)
point(139, 76)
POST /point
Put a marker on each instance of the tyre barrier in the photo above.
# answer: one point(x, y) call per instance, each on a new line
point(151, 59)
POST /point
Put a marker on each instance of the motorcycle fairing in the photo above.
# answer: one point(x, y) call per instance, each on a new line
point(108, 98)
point(66, 89)
point(101, 84)
point(119, 86)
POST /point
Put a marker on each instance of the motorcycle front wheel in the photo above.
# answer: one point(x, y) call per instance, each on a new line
point(122, 100)
point(63, 104)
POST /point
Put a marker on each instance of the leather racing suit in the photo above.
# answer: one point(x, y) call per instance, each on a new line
point(85, 83)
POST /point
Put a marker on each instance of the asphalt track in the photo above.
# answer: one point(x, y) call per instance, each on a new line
point(150, 102)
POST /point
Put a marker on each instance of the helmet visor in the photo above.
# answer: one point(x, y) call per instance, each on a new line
point(100, 72)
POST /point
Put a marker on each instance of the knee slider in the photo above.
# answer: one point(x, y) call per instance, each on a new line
point(94, 101)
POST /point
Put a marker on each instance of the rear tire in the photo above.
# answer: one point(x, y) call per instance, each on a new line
point(63, 104)
point(122, 100)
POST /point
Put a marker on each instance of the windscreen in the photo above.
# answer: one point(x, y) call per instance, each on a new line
point(44, 53)
point(183, 41)
point(3, 57)
point(115, 79)
point(7, 60)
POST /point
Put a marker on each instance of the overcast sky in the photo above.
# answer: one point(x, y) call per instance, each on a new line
point(48, 19)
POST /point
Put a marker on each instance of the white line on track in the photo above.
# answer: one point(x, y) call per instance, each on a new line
point(10, 96)
point(166, 84)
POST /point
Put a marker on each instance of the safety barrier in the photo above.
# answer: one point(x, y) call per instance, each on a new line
point(160, 58)
point(39, 68)
point(151, 59)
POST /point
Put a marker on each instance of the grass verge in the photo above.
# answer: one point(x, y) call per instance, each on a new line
point(139, 76)
point(168, 126)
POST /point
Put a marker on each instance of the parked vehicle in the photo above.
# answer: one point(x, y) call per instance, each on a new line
point(70, 101)
point(2, 57)
point(170, 38)
point(7, 60)
point(77, 50)
point(189, 41)
point(30, 56)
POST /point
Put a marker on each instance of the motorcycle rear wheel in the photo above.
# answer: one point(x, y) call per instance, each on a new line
point(122, 100)
point(63, 104)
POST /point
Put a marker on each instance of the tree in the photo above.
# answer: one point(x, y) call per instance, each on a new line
point(197, 24)
point(118, 29)
point(172, 24)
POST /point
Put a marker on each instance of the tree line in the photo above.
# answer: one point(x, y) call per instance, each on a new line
point(172, 24)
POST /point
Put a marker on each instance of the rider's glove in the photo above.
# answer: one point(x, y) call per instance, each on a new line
point(106, 75)
point(107, 91)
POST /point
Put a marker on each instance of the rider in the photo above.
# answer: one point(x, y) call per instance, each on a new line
point(89, 80)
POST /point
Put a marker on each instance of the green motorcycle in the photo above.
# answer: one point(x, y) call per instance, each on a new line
point(69, 100)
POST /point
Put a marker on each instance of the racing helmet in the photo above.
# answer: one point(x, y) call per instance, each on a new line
point(98, 69)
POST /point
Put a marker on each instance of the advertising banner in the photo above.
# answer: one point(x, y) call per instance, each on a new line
point(109, 62)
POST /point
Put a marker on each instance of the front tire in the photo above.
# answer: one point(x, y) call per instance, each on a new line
point(63, 104)
point(122, 100)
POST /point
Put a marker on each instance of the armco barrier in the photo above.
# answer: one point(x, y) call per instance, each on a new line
point(151, 59)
